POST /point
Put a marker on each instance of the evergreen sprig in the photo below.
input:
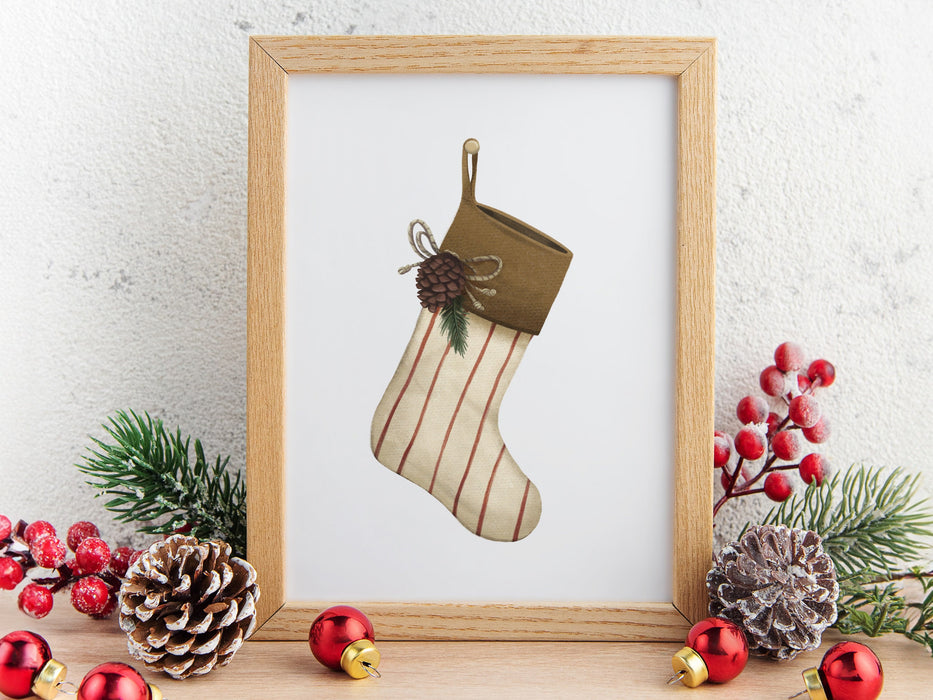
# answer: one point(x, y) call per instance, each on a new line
point(454, 325)
point(871, 523)
point(149, 474)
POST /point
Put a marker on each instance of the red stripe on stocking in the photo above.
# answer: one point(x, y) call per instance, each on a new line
point(482, 512)
point(482, 422)
point(521, 511)
point(414, 366)
point(466, 386)
point(424, 410)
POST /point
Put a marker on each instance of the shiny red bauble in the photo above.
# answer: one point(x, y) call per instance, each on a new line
point(113, 681)
point(722, 646)
point(851, 671)
point(22, 656)
point(336, 628)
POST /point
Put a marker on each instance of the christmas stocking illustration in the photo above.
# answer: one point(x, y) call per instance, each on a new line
point(486, 290)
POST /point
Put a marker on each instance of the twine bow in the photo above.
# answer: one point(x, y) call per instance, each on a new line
point(425, 246)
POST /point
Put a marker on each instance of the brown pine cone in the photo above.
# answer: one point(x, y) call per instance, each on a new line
point(440, 280)
point(779, 586)
point(187, 606)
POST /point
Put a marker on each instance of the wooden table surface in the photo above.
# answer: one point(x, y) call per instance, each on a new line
point(446, 670)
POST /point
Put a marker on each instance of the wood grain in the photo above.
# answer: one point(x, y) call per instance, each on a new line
point(692, 61)
point(455, 670)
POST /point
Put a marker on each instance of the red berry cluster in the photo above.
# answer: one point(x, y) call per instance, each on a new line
point(774, 436)
point(93, 573)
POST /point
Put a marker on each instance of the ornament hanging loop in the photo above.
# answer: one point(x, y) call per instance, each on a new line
point(676, 677)
point(68, 688)
point(371, 670)
point(797, 695)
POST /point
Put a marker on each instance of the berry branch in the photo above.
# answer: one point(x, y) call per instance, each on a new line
point(776, 438)
point(34, 553)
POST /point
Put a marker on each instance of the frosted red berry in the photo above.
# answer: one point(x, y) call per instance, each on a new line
point(814, 468)
point(774, 420)
point(787, 445)
point(722, 449)
point(120, 560)
point(134, 557)
point(93, 555)
point(108, 609)
point(777, 487)
point(726, 478)
point(49, 552)
point(804, 410)
point(89, 595)
point(79, 532)
point(772, 381)
point(752, 409)
point(750, 443)
point(818, 433)
point(823, 371)
point(11, 573)
point(788, 357)
point(35, 600)
point(73, 567)
point(37, 530)
point(6, 527)
point(803, 383)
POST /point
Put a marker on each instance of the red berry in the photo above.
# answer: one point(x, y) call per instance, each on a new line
point(752, 409)
point(803, 383)
point(788, 357)
point(814, 468)
point(11, 573)
point(6, 527)
point(804, 410)
point(79, 532)
point(774, 420)
point(722, 450)
point(49, 552)
point(120, 560)
point(750, 443)
point(772, 381)
point(89, 595)
point(92, 555)
point(35, 600)
point(37, 530)
point(726, 477)
point(108, 608)
point(777, 487)
point(822, 370)
point(819, 432)
point(787, 445)
point(73, 567)
point(134, 557)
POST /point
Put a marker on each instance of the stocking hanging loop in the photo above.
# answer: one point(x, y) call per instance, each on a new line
point(470, 148)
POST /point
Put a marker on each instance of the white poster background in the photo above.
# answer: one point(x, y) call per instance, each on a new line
point(589, 160)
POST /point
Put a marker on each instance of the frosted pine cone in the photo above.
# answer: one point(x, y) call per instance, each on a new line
point(779, 586)
point(440, 280)
point(187, 606)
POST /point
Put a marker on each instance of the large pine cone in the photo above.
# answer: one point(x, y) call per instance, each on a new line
point(779, 586)
point(440, 280)
point(187, 606)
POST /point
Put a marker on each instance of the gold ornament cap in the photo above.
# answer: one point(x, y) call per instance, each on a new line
point(814, 684)
point(50, 676)
point(154, 692)
point(689, 667)
point(360, 659)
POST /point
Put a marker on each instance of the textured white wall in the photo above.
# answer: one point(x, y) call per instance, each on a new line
point(123, 202)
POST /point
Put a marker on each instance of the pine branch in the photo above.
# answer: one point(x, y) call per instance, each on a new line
point(148, 473)
point(868, 521)
point(454, 325)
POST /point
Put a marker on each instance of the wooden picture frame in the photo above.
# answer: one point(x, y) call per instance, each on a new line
point(692, 63)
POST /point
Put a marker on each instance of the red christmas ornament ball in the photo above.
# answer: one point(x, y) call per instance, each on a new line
point(851, 671)
point(22, 656)
point(334, 629)
point(113, 681)
point(722, 646)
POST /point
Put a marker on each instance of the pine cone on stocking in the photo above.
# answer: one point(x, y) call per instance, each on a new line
point(779, 586)
point(440, 280)
point(187, 606)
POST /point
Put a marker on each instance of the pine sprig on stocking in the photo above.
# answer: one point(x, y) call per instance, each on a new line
point(152, 480)
point(454, 324)
point(871, 524)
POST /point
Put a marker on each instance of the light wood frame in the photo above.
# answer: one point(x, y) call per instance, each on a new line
point(692, 62)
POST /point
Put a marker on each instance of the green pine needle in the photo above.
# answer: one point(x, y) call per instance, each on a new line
point(150, 478)
point(454, 325)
